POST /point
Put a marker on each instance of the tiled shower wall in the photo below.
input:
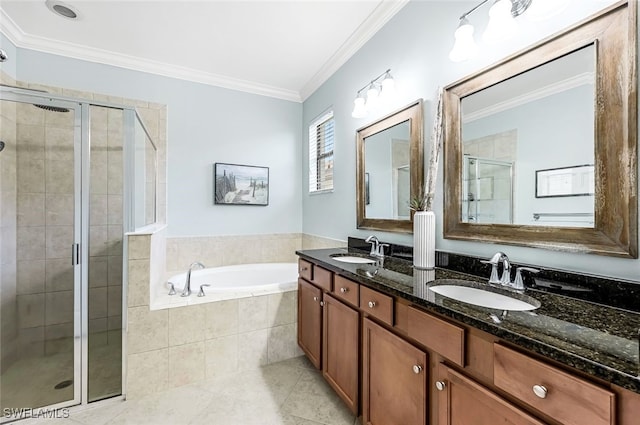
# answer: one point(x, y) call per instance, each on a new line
point(8, 189)
point(45, 218)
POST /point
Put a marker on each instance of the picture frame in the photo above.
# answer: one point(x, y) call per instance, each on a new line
point(236, 184)
point(578, 180)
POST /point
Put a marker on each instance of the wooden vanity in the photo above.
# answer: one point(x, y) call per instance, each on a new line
point(398, 364)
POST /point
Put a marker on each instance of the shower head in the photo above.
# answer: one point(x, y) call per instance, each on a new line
point(51, 108)
point(1, 145)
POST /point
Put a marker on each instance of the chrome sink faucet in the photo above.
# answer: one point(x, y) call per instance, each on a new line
point(505, 279)
point(377, 248)
point(187, 285)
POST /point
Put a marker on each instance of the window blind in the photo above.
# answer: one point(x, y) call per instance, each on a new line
point(321, 141)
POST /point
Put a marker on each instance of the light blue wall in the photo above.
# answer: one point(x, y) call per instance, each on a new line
point(415, 44)
point(10, 65)
point(205, 125)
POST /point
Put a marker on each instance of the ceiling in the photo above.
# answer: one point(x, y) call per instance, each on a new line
point(284, 49)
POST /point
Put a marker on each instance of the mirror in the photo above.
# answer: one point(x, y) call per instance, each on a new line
point(389, 169)
point(540, 149)
point(508, 132)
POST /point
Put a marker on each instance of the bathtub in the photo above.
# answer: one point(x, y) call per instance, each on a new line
point(228, 282)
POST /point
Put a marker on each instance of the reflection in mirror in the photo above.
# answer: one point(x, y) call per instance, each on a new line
point(540, 120)
point(388, 169)
point(569, 138)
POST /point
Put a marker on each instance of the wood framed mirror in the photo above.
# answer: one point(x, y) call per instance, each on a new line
point(546, 162)
point(389, 169)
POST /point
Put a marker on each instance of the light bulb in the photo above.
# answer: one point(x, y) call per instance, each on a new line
point(543, 9)
point(465, 46)
point(388, 86)
point(501, 25)
point(359, 109)
point(372, 97)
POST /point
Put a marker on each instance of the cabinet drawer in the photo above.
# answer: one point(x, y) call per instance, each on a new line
point(305, 270)
point(346, 290)
point(322, 278)
point(566, 398)
point(314, 274)
point(442, 337)
point(377, 305)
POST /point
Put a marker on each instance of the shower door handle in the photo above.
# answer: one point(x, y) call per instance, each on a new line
point(75, 254)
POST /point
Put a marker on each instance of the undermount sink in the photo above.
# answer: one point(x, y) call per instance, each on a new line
point(485, 298)
point(352, 259)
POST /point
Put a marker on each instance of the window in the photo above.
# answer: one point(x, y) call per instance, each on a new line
point(321, 138)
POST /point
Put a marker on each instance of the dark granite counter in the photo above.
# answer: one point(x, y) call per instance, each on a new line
point(600, 340)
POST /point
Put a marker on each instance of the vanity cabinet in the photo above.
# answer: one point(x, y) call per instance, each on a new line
point(462, 401)
point(310, 321)
point(394, 381)
point(341, 348)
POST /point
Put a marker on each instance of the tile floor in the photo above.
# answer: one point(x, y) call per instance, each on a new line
point(291, 392)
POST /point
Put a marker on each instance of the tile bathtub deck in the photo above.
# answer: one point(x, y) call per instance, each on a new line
point(291, 392)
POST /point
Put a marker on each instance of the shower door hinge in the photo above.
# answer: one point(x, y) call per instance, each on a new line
point(75, 254)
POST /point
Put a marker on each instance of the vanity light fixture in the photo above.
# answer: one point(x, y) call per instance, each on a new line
point(502, 23)
point(378, 89)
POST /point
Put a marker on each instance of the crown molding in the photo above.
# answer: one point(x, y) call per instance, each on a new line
point(380, 16)
point(76, 51)
point(376, 20)
point(551, 89)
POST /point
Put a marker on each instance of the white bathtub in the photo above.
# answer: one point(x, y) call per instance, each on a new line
point(228, 282)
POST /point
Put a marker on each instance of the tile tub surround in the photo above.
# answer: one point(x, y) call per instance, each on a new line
point(171, 347)
point(598, 340)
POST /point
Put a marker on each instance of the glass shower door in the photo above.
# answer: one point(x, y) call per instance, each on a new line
point(39, 271)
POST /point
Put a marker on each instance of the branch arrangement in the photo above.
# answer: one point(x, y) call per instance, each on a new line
point(436, 146)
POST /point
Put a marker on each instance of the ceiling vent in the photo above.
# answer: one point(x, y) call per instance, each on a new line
point(62, 9)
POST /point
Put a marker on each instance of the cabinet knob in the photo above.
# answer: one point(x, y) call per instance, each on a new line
point(417, 368)
point(372, 304)
point(540, 391)
point(344, 290)
point(441, 385)
point(321, 303)
point(315, 298)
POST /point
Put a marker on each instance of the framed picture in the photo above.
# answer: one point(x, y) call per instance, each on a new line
point(235, 184)
point(578, 180)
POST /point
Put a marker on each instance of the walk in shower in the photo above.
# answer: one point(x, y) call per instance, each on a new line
point(487, 192)
point(74, 177)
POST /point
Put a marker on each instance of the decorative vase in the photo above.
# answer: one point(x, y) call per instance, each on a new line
point(424, 240)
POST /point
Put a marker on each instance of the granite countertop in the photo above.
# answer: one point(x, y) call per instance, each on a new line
point(600, 340)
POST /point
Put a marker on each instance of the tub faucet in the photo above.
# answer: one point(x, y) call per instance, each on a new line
point(187, 285)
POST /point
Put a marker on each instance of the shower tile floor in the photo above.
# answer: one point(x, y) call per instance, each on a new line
point(31, 380)
point(291, 392)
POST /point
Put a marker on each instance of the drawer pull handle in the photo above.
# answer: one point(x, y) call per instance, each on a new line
point(417, 369)
point(372, 304)
point(540, 391)
point(344, 290)
point(441, 385)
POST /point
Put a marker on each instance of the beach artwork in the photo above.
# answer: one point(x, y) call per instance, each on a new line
point(240, 184)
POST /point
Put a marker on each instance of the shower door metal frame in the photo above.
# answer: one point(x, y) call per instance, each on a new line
point(79, 309)
point(82, 163)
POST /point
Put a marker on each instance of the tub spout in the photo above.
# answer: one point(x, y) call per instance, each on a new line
point(187, 285)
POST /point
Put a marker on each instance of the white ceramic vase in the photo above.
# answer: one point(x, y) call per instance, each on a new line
point(424, 239)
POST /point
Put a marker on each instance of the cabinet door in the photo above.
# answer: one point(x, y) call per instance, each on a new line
point(310, 321)
point(394, 381)
point(340, 350)
point(461, 401)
